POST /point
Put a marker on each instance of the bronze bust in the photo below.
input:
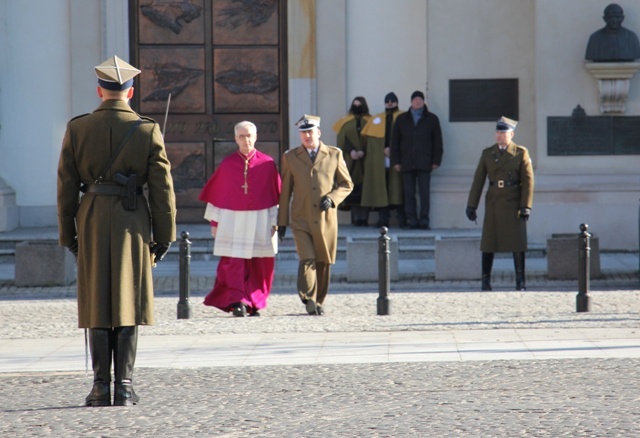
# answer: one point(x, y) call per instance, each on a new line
point(613, 43)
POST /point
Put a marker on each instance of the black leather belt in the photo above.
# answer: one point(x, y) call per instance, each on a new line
point(106, 189)
point(502, 183)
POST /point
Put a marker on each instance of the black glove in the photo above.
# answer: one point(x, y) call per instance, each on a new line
point(74, 249)
point(471, 214)
point(524, 213)
point(159, 250)
point(281, 232)
point(325, 203)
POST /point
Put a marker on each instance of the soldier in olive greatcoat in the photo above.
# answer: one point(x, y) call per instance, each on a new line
point(109, 155)
point(508, 201)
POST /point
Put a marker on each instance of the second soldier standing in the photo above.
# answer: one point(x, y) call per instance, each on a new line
point(508, 201)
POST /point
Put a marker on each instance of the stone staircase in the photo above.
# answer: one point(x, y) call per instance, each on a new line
point(412, 244)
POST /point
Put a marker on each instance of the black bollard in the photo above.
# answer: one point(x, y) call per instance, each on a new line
point(384, 302)
point(583, 300)
point(184, 306)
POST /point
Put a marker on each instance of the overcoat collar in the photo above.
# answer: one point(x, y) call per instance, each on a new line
point(117, 105)
point(507, 155)
point(303, 154)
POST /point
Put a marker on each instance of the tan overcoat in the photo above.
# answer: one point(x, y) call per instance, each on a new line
point(304, 183)
point(502, 230)
point(115, 286)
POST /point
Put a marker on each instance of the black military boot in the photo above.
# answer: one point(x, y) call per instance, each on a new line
point(518, 262)
point(487, 265)
point(100, 347)
point(124, 353)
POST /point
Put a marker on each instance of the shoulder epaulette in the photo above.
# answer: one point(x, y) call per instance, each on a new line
point(148, 119)
point(77, 117)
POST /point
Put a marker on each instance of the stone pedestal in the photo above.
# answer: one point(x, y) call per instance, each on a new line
point(458, 258)
point(363, 259)
point(44, 264)
point(563, 253)
point(613, 83)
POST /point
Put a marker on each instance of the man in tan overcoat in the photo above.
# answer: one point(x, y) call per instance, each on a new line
point(315, 180)
point(508, 201)
point(109, 155)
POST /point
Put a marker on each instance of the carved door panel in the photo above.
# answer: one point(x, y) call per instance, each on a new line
point(221, 61)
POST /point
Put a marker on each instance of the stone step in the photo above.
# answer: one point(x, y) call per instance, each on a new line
point(412, 244)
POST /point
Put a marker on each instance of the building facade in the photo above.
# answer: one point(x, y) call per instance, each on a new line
point(461, 53)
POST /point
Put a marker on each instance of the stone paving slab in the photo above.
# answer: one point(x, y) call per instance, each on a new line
point(256, 349)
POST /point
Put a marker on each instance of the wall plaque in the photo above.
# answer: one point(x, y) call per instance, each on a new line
point(482, 100)
point(593, 135)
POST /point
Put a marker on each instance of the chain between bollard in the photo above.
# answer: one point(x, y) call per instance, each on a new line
point(184, 306)
point(583, 300)
point(384, 302)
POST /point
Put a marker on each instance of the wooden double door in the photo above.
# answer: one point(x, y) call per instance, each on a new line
point(221, 61)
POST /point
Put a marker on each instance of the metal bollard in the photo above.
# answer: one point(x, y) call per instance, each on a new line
point(184, 306)
point(384, 302)
point(583, 300)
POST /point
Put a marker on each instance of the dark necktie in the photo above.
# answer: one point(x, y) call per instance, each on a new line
point(312, 155)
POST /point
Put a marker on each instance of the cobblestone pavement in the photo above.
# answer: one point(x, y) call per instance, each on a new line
point(537, 398)
point(576, 398)
point(347, 312)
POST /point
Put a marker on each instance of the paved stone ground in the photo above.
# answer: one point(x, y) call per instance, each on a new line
point(576, 398)
point(347, 312)
point(536, 398)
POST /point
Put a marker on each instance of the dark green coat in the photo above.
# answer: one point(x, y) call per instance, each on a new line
point(375, 191)
point(502, 230)
point(115, 285)
point(350, 139)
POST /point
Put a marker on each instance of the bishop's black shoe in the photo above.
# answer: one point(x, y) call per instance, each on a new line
point(239, 309)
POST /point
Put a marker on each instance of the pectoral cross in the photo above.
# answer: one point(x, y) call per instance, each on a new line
point(245, 186)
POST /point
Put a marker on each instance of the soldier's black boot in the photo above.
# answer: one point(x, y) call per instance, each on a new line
point(100, 347)
point(518, 262)
point(124, 353)
point(487, 265)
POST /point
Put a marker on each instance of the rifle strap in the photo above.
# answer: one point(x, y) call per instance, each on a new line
point(117, 152)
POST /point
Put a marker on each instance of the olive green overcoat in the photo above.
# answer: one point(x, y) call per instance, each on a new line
point(304, 183)
point(502, 229)
point(375, 191)
point(115, 285)
point(350, 139)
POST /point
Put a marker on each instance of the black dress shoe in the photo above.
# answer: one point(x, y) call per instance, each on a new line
point(319, 310)
point(254, 313)
point(239, 309)
point(311, 307)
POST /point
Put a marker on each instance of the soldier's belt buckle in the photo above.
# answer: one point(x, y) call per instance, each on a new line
point(501, 184)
